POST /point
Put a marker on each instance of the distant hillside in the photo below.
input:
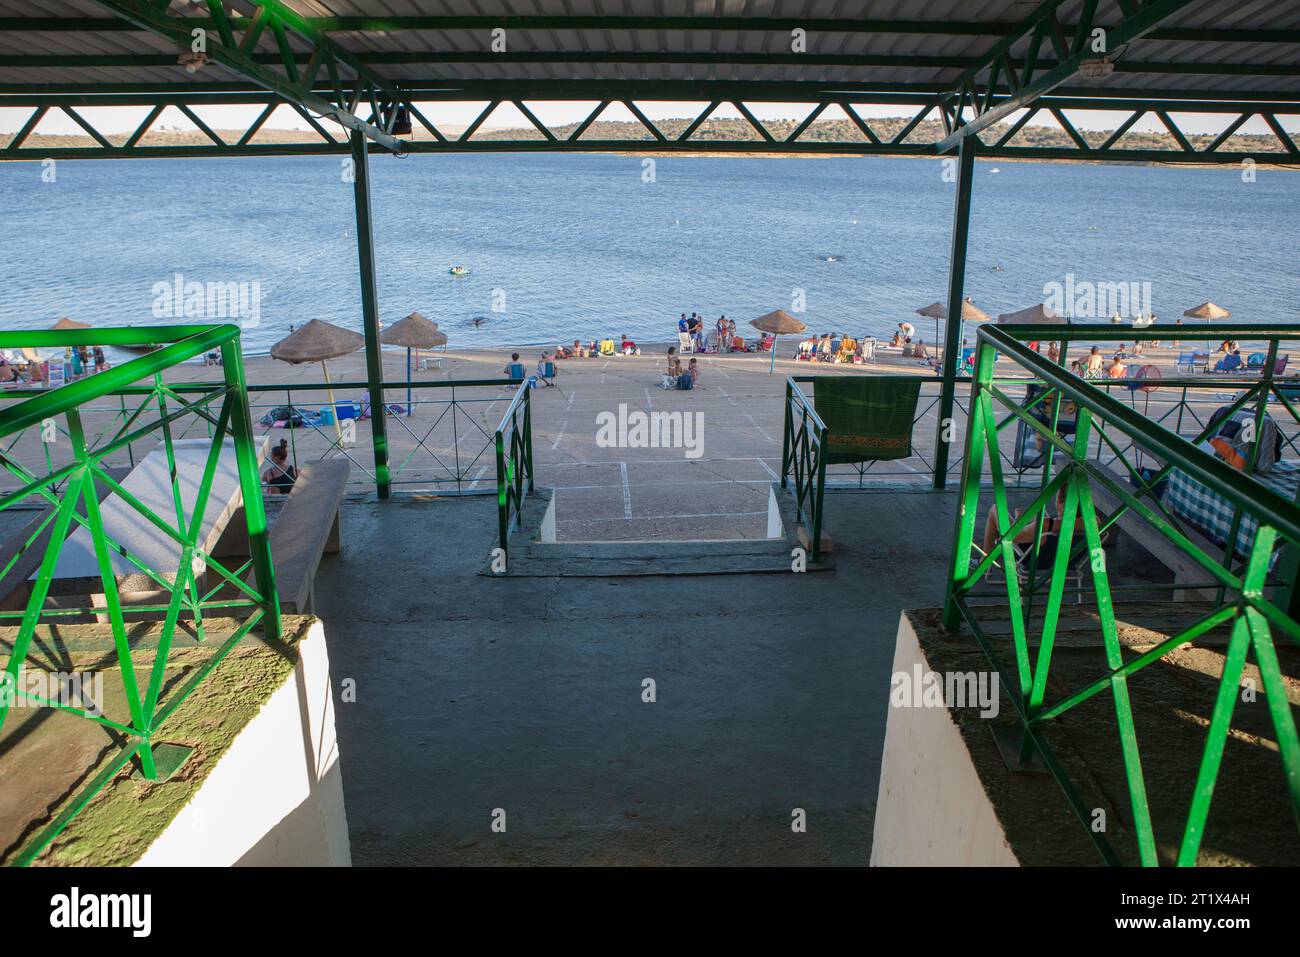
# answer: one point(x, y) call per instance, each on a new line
point(822, 131)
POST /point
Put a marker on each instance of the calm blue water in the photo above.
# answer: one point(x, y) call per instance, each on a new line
point(582, 247)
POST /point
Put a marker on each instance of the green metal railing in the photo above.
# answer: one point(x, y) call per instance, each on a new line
point(71, 495)
point(514, 453)
point(803, 444)
point(863, 475)
point(1250, 604)
point(440, 444)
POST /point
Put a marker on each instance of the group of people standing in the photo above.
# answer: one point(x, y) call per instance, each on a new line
point(724, 332)
point(77, 363)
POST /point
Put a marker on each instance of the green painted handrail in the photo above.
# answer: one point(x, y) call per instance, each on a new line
point(803, 445)
point(182, 594)
point(514, 462)
point(1244, 604)
point(1210, 470)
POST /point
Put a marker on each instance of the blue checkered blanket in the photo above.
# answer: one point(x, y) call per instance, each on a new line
point(1212, 513)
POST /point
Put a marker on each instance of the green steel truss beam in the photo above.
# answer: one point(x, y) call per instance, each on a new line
point(1028, 77)
point(862, 135)
point(395, 24)
point(776, 91)
point(234, 49)
point(703, 58)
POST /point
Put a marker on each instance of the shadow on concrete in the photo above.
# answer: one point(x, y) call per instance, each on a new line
point(526, 694)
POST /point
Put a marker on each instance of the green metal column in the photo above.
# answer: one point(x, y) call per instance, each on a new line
point(370, 311)
point(956, 287)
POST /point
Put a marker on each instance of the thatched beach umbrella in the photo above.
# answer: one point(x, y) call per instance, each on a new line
point(937, 310)
point(1038, 315)
point(319, 341)
point(413, 332)
point(1207, 311)
point(778, 323)
point(66, 323)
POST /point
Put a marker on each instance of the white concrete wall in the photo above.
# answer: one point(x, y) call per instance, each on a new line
point(276, 796)
point(931, 809)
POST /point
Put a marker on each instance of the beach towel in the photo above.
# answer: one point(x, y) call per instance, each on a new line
point(868, 418)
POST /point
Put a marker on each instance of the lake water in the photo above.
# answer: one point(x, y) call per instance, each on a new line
point(581, 246)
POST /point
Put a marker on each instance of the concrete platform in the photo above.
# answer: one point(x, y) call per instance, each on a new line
point(525, 694)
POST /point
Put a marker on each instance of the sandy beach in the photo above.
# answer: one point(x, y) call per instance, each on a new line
point(445, 444)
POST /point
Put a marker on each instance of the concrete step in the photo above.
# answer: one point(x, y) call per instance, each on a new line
point(532, 555)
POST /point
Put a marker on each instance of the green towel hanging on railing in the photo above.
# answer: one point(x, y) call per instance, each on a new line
point(869, 417)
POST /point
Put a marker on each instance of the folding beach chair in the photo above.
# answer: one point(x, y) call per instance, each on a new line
point(606, 347)
point(1255, 362)
point(1079, 563)
point(515, 371)
point(685, 344)
point(546, 374)
point(1191, 360)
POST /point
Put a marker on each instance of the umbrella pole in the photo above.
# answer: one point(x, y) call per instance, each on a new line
point(772, 368)
point(408, 380)
point(334, 409)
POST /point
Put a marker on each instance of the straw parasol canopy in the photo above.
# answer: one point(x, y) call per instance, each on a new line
point(937, 310)
point(1207, 310)
point(778, 323)
point(65, 323)
point(317, 341)
point(969, 312)
point(1036, 315)
point(414, 332)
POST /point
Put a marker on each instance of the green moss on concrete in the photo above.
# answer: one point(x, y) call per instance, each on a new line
point(129, 814)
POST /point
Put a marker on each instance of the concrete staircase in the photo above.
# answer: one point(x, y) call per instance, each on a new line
point(535, 553)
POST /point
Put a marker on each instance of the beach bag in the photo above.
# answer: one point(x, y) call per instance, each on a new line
point(283, 413)
point(1229, 433)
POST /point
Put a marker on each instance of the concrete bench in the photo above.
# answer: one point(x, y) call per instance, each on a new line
point(306, 528)
point(15, 587)
point(1185, 569)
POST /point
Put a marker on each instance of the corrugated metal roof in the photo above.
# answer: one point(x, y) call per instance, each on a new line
point(455, 55)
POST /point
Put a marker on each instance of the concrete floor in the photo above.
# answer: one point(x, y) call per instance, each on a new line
point(525, 694)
